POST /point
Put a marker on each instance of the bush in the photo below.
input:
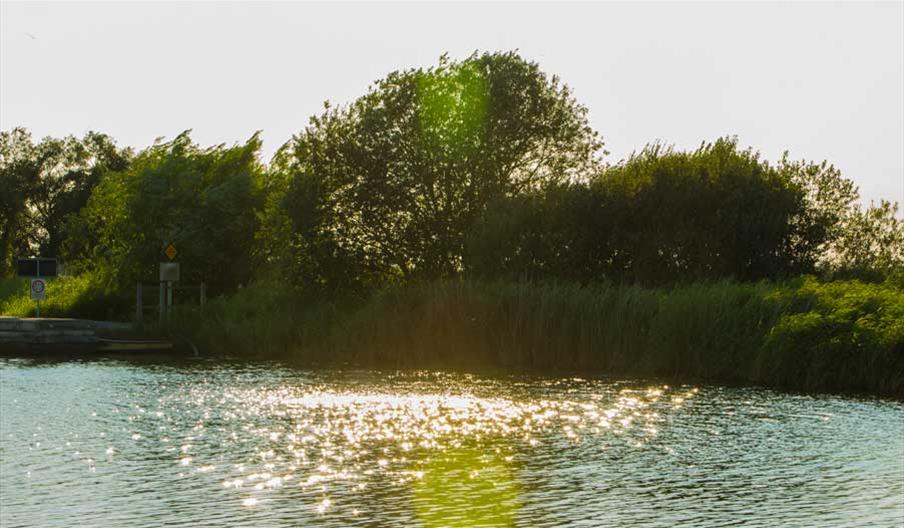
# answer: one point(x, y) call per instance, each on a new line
point(838, 335)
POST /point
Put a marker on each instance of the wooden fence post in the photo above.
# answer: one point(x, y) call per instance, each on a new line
point(139, 303)
point(161, 291)
point(169, 299)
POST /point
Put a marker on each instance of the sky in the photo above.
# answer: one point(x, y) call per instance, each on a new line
point(824, 81)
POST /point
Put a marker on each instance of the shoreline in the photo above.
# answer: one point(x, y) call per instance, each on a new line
point(803, 334)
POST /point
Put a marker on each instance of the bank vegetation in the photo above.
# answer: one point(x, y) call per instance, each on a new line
point(466, 214)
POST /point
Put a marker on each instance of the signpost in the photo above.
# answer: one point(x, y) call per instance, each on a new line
point(37, 289)
point(169, 273)
point(35, 269)
point(37, 293)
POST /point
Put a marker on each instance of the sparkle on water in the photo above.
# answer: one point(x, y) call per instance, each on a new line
point(112, 443)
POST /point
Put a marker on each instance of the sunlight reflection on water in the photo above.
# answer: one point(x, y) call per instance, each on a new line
point(252, 444)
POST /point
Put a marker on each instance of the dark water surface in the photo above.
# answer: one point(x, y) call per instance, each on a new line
point(112, 443)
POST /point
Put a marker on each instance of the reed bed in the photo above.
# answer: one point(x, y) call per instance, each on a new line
point(803, 334)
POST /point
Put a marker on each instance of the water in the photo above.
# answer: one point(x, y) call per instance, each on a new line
point(112, 443)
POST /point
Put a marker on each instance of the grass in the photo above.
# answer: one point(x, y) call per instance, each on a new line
point(87, 296)
point(837, 335)
point(804, 334)
point(10, 288)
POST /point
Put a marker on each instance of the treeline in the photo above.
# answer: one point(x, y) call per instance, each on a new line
point(483, 168)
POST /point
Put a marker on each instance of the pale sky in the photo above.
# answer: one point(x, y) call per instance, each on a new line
point(825, 81)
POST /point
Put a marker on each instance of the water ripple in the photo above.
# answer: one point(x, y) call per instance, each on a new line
point(112, 444)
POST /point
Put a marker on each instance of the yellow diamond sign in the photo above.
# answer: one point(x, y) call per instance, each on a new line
point(170, 251)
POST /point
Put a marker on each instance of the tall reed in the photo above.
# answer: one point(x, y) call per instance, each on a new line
point(802, 334)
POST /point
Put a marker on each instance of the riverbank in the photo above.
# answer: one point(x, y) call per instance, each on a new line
point(73, 337)
point(802, 334)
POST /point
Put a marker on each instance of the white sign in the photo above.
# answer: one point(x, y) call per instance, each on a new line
point(169, 272)
point(37, 289)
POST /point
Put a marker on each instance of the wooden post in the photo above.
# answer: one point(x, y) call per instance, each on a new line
point(161, 294)
point(37, 302)
point(139, 303)
point(169, 299)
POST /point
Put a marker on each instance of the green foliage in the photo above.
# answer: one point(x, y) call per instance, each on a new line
point(660, 217)
point(484, 168)
point(716, 212)
point(87, 296)
point(18, 176)
point(43, 184)
point(870, 243)
point(10, 288)
point(838, 335)
point(563, 231)
point(205, 202)
point(388, 186)
point(803, 334)
point(844, 239)
point(265, 319)
point(459, 215)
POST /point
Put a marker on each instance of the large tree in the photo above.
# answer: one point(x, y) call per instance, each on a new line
point(715, 212)
point(205, 201)
point(839, 235)
point(18, 176)
point(662, 216)
point(43, 184)
point(389, 185)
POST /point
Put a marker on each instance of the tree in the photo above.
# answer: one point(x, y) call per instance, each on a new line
point(19, 172)
point(391, 184)
point(869, 243)
point(562, 231)
point(45, 183)
point(829, 199)
point(206, 202)
point(712, 213)
point(836, 233)
point(660, 217)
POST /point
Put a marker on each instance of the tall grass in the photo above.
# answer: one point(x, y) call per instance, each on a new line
point(87, 296)
point(837, 335)
point(11, 288)
point(802, 334)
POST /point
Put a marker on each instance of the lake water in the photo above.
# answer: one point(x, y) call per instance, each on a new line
point(112, 443)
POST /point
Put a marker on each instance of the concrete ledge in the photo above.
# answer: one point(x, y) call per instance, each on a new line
point(49, 323)
point(7, 336)
point(66, 324)
point(50, 333)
